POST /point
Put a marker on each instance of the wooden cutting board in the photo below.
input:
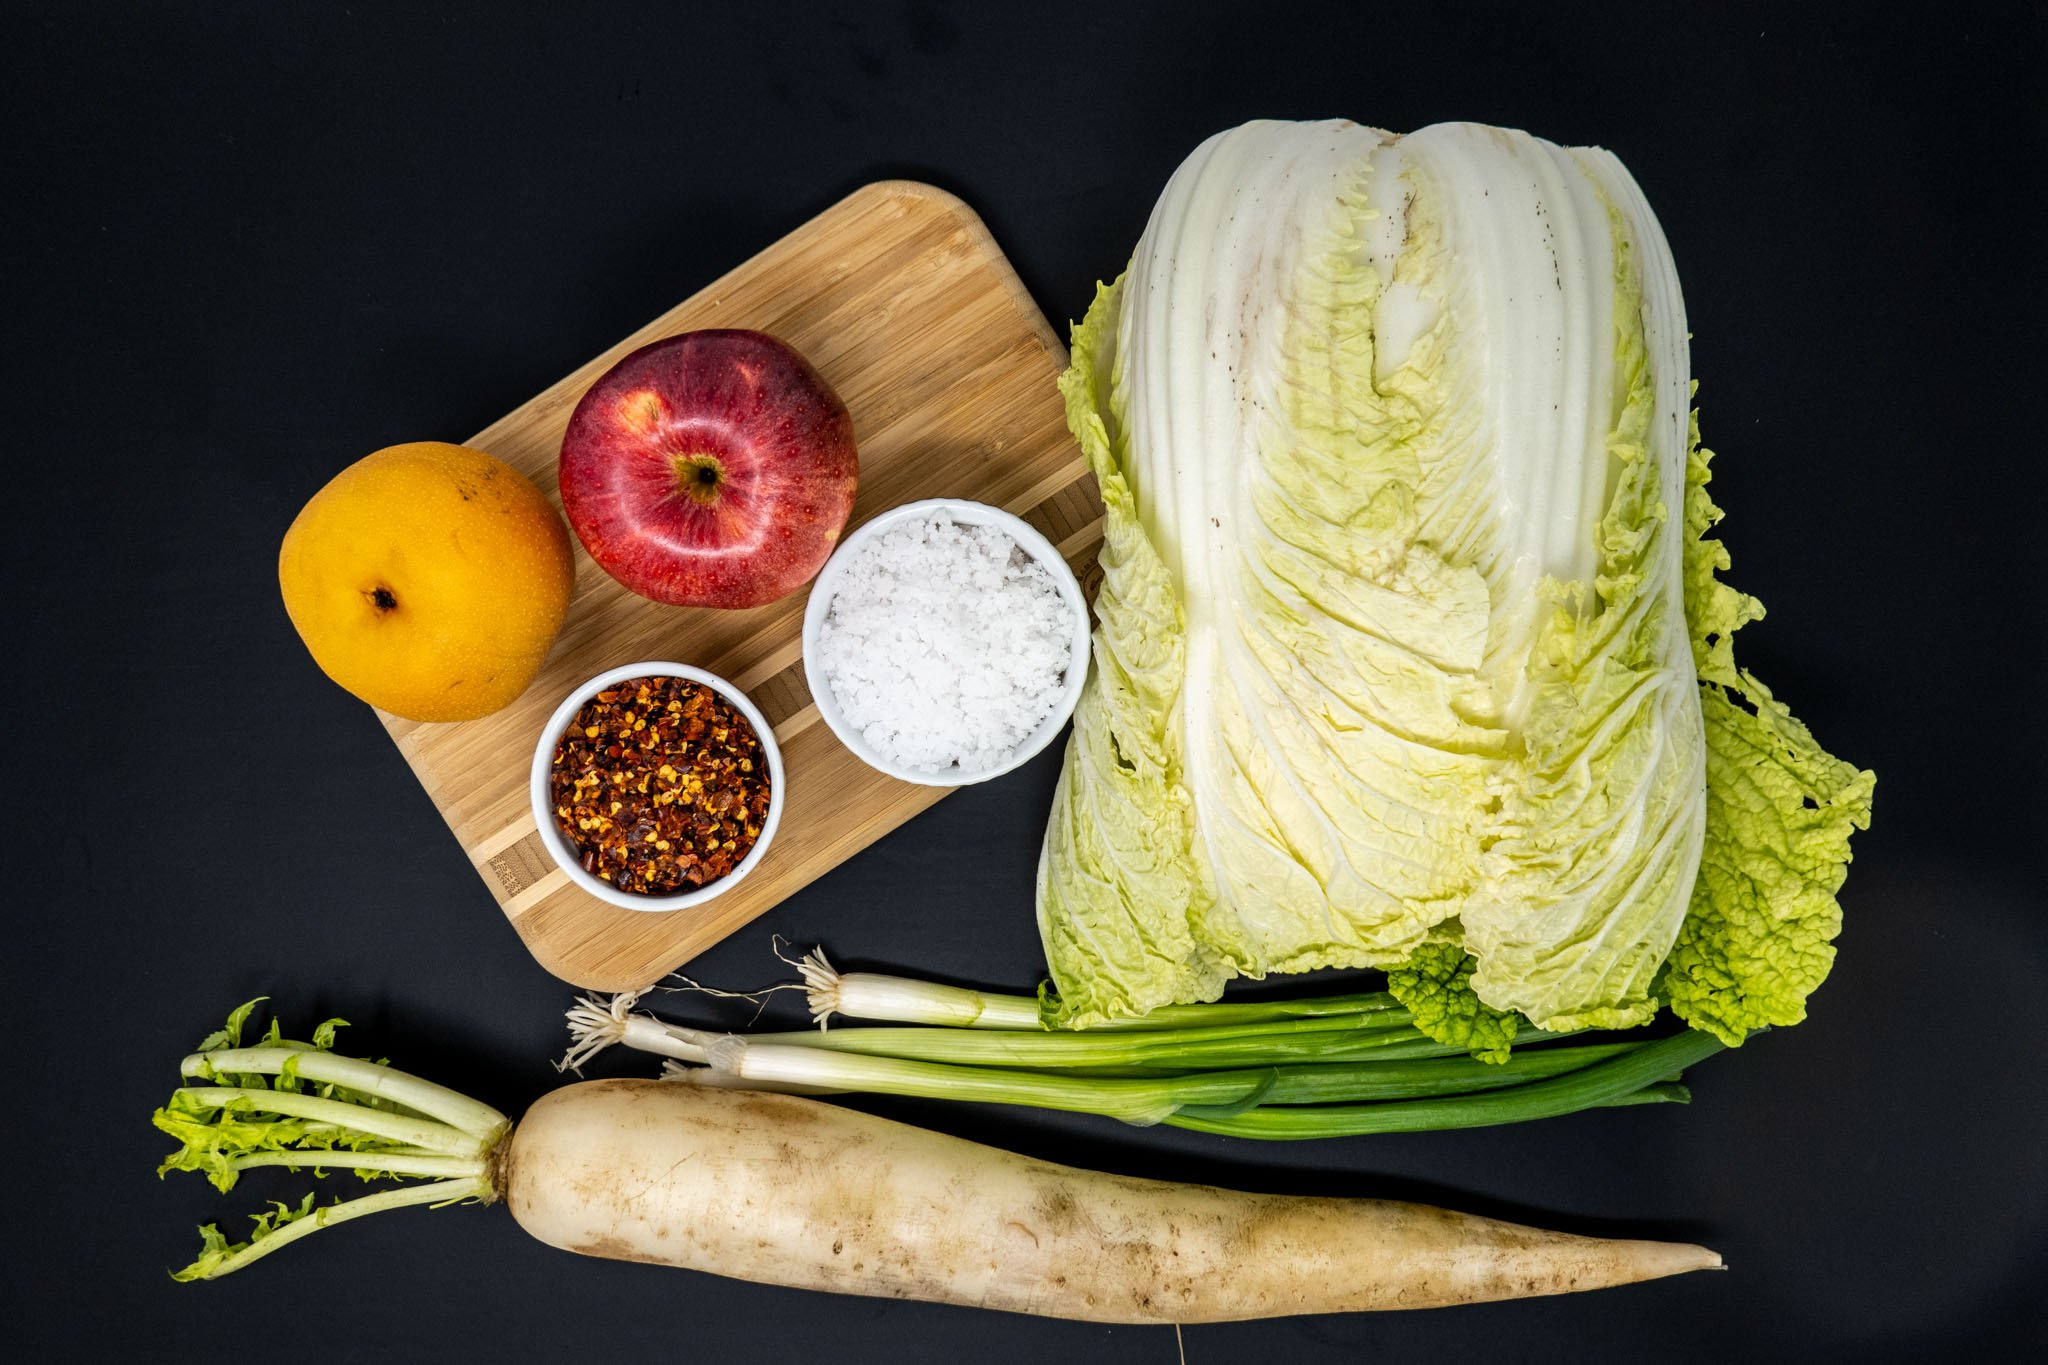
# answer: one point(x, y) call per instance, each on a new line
point(901, 298)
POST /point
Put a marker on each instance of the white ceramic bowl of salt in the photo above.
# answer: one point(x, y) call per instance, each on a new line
point(908, 660)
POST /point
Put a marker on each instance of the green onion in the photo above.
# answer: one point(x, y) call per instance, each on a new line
point(595, 1025)
point(1140, 1100)
point(1334, 1066)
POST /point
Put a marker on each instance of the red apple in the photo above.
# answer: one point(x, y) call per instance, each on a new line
point(710, 469)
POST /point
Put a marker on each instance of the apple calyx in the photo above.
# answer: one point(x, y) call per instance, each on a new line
point(382, 598)
point(699, 477)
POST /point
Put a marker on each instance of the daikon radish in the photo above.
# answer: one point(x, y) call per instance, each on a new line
point(786, 1190)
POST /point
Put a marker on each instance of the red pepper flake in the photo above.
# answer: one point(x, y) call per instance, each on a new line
point(660, 784)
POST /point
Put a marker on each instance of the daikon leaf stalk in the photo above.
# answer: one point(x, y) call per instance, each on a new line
point(296, 1105)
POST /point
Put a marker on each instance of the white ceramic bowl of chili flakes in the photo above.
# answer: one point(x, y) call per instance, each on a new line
point(569, 857)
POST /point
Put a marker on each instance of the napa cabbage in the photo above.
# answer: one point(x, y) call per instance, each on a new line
point(1410, 652)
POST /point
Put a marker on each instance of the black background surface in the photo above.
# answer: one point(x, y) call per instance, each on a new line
point(248, 243)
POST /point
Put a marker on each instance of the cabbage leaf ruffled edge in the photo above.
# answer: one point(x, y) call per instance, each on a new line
point(1759, 933)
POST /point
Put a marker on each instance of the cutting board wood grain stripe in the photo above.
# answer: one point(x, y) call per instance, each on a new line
point(901, 298)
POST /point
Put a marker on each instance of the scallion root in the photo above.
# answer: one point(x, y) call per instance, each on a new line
point(594, 1025)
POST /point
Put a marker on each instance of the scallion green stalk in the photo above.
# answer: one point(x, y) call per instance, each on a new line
point(1460, 1089)
point(1375, 1080)
point(1622, 1079)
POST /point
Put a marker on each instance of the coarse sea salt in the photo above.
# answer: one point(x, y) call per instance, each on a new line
point(946, 645)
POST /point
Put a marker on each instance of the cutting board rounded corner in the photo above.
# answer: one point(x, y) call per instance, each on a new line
point(972, 222)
